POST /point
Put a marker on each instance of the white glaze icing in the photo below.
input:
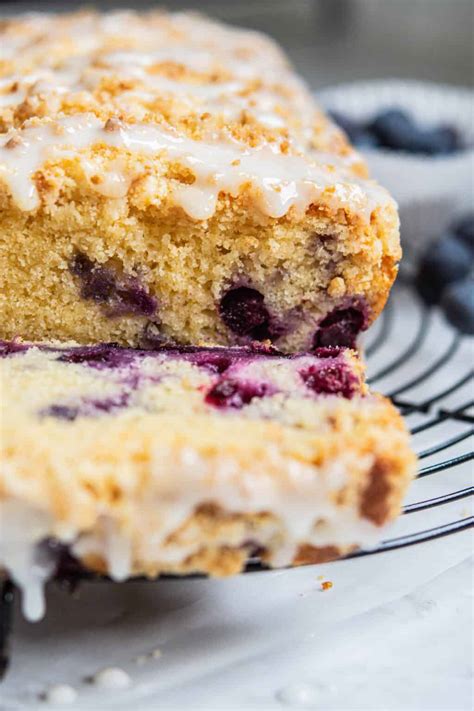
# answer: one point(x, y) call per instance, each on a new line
point(242, 73)
point(305, 510)
point(21, 529)
point(279, 182)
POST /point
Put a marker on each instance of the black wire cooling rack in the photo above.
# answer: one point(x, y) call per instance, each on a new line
point(425, 367)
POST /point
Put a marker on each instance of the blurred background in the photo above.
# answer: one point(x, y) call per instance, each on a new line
point(334, 41)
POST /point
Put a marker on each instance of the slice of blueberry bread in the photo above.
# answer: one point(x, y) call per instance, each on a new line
point(186, 460)
point(172, 181)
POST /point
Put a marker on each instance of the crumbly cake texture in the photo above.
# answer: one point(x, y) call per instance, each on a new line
point(190, 460)
point(164, 178)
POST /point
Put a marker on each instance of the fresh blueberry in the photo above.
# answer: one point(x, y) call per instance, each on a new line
point(441, 140)
point(445, 262)
point(458, 305)
point(243, 311)
point(235, 394)
point(340, 328)
point(395, 129)
point(464, 229)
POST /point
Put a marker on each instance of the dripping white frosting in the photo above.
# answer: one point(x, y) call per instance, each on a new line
point(21, 529)
point(304, 513)
point(278, 182)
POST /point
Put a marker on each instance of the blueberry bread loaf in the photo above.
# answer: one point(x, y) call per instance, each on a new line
point(165, 179)
point(190, 459)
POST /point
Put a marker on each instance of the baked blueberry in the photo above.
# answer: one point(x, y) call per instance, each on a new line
point(131, 299)
point(331, 379)
point(243, 310)
point(234, 393)
point(340, 328)
point(444, 262)
point(328, 352)
point(61, 412)
point(8, 348)
point(458, 305)
point(118, 294)
point(104, 355)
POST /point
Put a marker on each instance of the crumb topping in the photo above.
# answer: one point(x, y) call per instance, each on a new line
point(174, 87)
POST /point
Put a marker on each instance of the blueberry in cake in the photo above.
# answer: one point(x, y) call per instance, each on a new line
point(171, 180)
point(190, 459)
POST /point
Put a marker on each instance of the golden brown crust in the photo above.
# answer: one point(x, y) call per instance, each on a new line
point(159, 67)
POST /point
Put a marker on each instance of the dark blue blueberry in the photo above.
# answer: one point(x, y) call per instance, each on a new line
point(235, 394)
point(458, 305)
point(441, 140)
point(395, 129)
point(464, 229)
point(340, 328)
point(446, 261)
